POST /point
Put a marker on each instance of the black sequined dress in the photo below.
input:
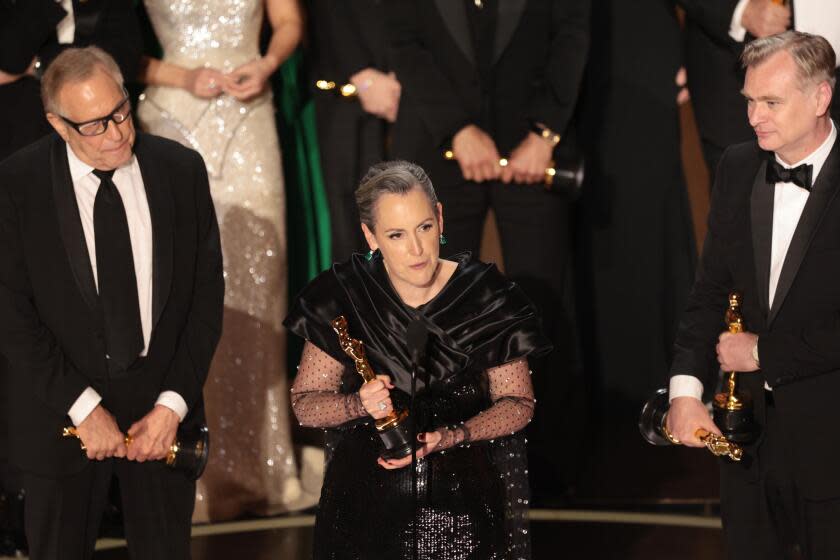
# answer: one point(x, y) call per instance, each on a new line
point(474, 389)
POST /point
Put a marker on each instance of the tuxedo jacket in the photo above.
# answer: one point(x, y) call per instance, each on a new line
point(52, 327)
point(799, 336)
point(539, 52)
point(28, 28)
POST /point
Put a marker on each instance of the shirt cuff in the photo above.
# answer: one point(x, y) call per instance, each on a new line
point(736, 30)
point(84, 405)
point(174, 402)
point(685, 386)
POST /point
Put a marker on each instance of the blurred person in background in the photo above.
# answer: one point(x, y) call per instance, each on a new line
point(210, 92)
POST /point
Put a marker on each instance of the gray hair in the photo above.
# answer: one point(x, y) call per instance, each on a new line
point(814, 58)
point(75, 65)
point(390, 177)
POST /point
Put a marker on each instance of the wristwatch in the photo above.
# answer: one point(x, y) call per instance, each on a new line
point(755, 354)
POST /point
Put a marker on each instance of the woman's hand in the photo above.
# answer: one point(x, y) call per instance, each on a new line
point(428, 444)
point(204, 82)
point(249, 80)
point(376, 397)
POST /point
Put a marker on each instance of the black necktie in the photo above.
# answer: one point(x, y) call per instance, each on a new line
point(800, 175)
point(115, 273)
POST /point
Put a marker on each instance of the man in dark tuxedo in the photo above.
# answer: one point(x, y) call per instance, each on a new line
point(348, 47)
point(33, 33)
point(111, 294)
point(715, 34)
point(491, 79)
point(774, 236)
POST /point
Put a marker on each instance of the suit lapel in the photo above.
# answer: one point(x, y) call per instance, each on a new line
point(824, 190)
point(70, 223)
point(761, 224)
point(510, 11)
point(161, 210)
point(455, 17)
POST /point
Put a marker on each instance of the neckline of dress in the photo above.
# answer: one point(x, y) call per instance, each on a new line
point(460, 259)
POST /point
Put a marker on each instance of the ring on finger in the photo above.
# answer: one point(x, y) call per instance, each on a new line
point(382, 406)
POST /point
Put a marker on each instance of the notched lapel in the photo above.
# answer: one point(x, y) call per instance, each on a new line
point(822, 194)
point(159, 196)
point(455, 17)
point(70, 223)
point(510, 12)
point(761, 225)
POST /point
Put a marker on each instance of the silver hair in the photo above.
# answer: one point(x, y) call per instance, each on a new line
point(814, 58)
point(390, 177)
point(75, 65)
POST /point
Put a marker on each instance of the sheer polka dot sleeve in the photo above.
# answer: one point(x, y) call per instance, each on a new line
point(316, 399)
point(512, 409)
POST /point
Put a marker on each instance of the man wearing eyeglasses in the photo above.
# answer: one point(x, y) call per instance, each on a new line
point(111, 295)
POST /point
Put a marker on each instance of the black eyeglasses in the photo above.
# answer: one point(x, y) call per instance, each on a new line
point(98, 126)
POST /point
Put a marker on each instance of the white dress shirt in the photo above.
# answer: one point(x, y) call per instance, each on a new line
point(129, 183)
point(788, 202)
point(817, 17)
point(66, 28)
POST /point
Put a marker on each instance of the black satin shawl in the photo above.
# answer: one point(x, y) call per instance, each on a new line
point(478, 320)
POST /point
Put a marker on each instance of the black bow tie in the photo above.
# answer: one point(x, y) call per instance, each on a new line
point(800, 175)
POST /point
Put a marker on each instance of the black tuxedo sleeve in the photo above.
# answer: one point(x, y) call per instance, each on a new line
point(713, 16)
point(117, 32)
point(24, 28)
point(439, 105)
point(29, 347)
point(188, 369)
point(702, 321)
point(342, 48)
point(556, 97)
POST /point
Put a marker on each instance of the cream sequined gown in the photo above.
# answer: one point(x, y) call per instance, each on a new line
point(252, 466)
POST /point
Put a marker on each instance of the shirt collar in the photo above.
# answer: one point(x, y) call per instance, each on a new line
point(817, 157)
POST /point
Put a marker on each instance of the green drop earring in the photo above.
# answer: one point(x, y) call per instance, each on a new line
point(369, 254)
point(443, 240)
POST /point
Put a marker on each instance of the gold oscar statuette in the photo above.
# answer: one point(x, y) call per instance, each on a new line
point(391, 428)
point(733, 408)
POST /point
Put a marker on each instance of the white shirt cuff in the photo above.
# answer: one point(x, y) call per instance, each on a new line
point(736, 30)
point(84, 405)
point(685, 386)
point(174, 402)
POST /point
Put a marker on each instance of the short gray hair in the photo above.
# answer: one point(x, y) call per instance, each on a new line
point(390, 177)
point(814, 58)
point(75, 65)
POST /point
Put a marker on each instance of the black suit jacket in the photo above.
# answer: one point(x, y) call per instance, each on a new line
point(538, 59)
point(28, 29)
point(799, 337)
point(52, 331)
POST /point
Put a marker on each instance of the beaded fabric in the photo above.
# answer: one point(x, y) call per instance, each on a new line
point(473, 492)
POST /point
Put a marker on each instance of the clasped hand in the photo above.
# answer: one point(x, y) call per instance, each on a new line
point(243, 83)
point(149, 438)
